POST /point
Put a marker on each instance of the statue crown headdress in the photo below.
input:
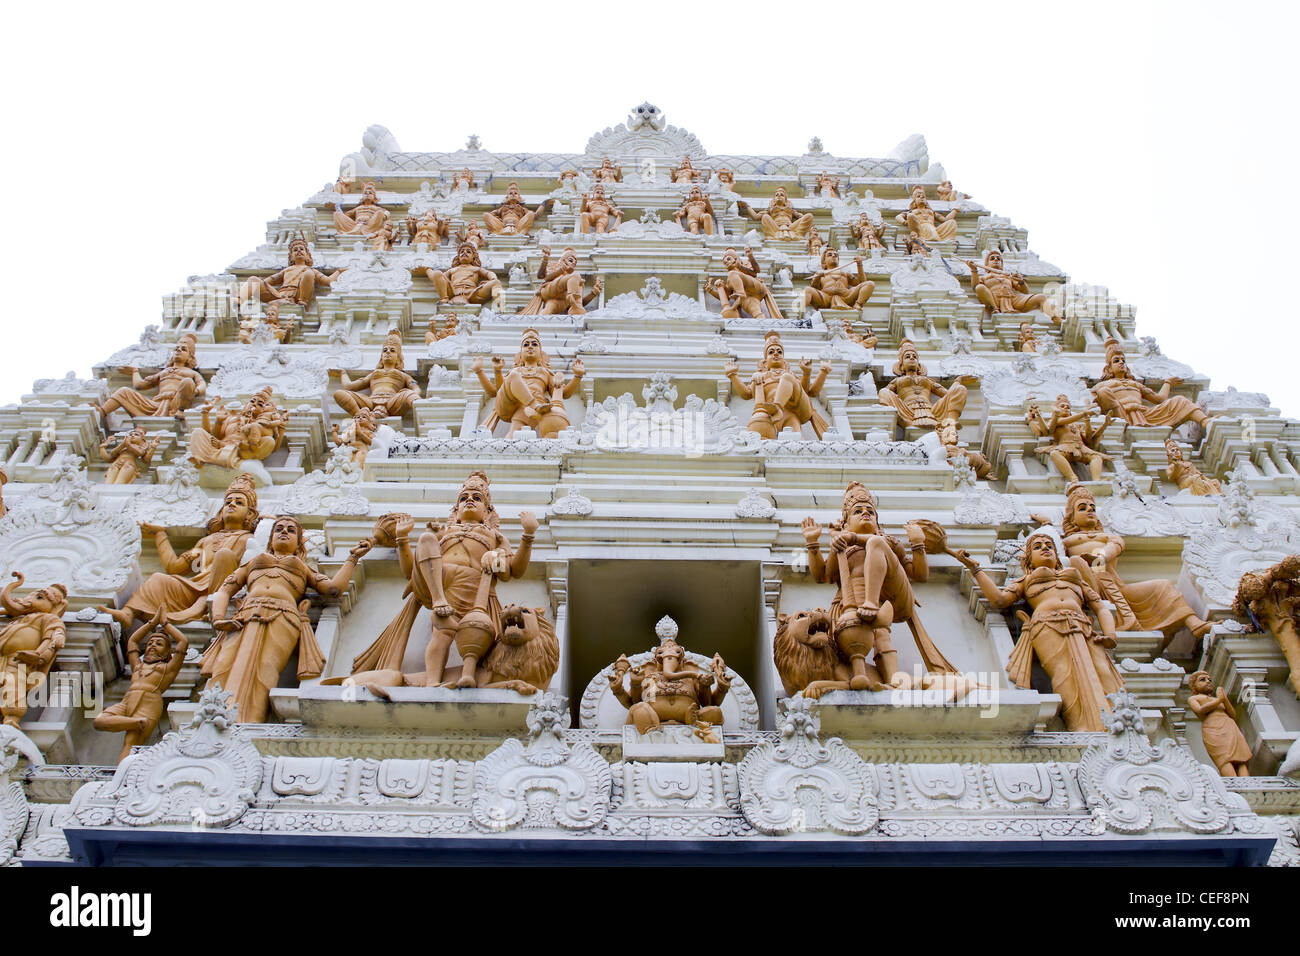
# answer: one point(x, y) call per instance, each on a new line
point(855, 492)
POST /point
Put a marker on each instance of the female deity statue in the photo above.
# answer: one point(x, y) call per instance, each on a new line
point(153, 670)
point(391, 390)
point(922, 222)
point(1223, 739)
point(254, 644)
point(130, 454)
point(1142, 606)
point(697, 212)
point(561, 291)
point(367, 218)
point(742, 292)
point(1002, 291)
point(295, 283)
point(531, 395)
point(909, 394)
point(453, 572)
point(1119, 391)
point(178, 384)
point(1270, 601)
point(781, 400)
point(250, 433)
point(597, 212)
point(828, 288)
point(182, 587)
point(1186, 475)
point(1059, 632)
point(1073, 438)
point(669, 689)
point(29, 641)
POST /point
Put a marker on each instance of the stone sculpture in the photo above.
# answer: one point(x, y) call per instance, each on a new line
point(697, 213)
point(437, 331)
point(530, 395)
point(829, 288)
point(922, 221)
point(779, 221)
point(1186, 475)
point(868, 235)
point(295, 283)
point(388, 390)
point(669, 689)
point(254, 644)
point(129, 455)
point(1223, 739)
point(1028, 338)
point(29, 640)
point(358, 435)
point(153, 671)
point(1270, 600)
point(427, 229)
point(597, 212)
point(465, 281)
point(472, 234)
point(177, 384)
point(561, 289)
point(248, 433)
point(1002, 291)
point(685, 173)
point(1119, 391)
point(1073, 437)
point(781, 399)
point(279, 329)
point(912, 393)
point(368, 217)
point(608, 172)
point(512, 217)
point(946, 193)
point(742, 292)
point(1059, 632)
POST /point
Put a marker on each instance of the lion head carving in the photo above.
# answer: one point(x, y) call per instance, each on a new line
point(527, 653)
point(803, 650)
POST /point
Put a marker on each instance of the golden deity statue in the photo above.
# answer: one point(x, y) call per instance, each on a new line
point(512, 217)
point(453, 572)
point(254, 644)
point(1059, 632)
point(911, 394)
point(249, 433)
point(1120, 392)
point(597, 212)
point(1074, 438)
point(1186, 475)
point(781, 399)
point(153, 670)
point(295, 283)
point(561, 289)
point(1223, 739)
point(391, 390)
point(697, 212)
point(465, 281)
point(178, 384)
point(531, 395)
point(368, 217)
point(829, 288)
point(29, 640)
point(130, 454)
point(742, 292)
point(922, 221)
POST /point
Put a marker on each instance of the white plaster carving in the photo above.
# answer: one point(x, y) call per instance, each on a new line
point(573, 503)
point(176, 501)
point(333, 490)
point(290, 374)
point(755, 505)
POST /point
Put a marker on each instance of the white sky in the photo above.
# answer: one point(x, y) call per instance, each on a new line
point(1144, 146)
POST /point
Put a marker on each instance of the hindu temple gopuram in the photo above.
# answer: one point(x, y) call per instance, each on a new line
point(569, 507)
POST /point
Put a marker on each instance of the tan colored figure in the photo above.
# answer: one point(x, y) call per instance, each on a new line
point(780, 221)
point(428, 229)
point(178, 384)
point(781, 400)
point(1059, 633)
point(869, 236)
point(391, 390)
point(1002, 291)
point(867, 339)
point(1186, 475)
point(153, 670)
point(1120, 392)
point(358, 435)
point(946, 193)
point(473, 235)
point(1270, 601)
point(250, 433)
point(685, 173)
point(910, 392)
point(922, 221)
point(382, 239)
point(828, 288)
point(597, 211)
point(526, 396)
point(874, 574)
point(281, 329)
point(1223, 739)
point(948, 430)
point(464, 181)
point(465, 281)
point(130, 454)
point(4, 480)
point(29, 642)
point(1028, 339)
point(253, 645)
point(561, 289)
point(669, 689)
point(1142, 606)
point(815, 243)
point(1073, 438)
point(726, 180)
point(698, 213)
point(295, 283)
point(608, 172)
point(828, 186)
point(368, 217)
point(182, 587)
point(512, 217)
point(436, 332)
point(742, 292)
point(453, 572)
